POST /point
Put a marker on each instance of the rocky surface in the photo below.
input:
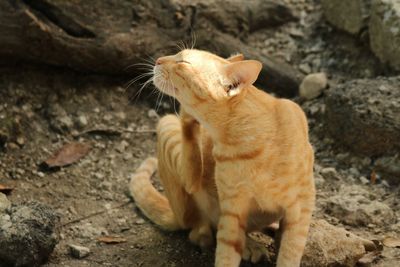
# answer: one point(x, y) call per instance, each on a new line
point(364, 115)
point(355, 206)
point(350, 16)
point(384, 31)
point(331, 246)
point(27, 234)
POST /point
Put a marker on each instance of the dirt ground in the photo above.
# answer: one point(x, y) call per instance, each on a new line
point(43, 108)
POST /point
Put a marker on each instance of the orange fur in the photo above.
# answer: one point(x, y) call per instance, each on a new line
point(238, 150)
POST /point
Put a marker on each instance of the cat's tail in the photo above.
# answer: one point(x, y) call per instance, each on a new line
point(151, 202)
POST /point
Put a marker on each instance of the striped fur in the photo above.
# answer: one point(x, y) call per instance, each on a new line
point(235, 161)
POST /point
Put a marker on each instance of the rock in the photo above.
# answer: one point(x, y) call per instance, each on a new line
point(312, 85)
point(352, 206)
point(328, 245)
point(27, 234)
point(329, 173)
point(350, 16)
point(78, 252)
point(363, 115)
point(122, 146)
point(384, 31)
point(4, 203)
point(152, 114)
point(305, 68)
point(82, 121)
point(58, 118)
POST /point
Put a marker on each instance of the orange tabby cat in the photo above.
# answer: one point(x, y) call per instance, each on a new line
point(236, 160)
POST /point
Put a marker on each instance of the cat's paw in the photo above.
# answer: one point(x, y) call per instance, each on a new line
point(202, 236)
point(254, 251)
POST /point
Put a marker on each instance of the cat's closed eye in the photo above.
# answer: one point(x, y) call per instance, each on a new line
point(182, 61)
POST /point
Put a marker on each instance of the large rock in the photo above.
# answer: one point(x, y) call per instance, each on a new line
point(353, 206)
point(27, 234)
point(384, 29)
point(364, 115)
point(350, 16)
point(328, 245)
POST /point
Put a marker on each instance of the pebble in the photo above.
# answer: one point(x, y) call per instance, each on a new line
point(128, 156)
point(152, 114)
point(329, 173)
point(312, 85)
point(82, 121)
point(305, 68)
point(140, 221)
point(364, 180)
point(78, 252)
point(122, 146)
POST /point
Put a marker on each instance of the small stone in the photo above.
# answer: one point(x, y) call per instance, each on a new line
point(82, 121)
point(122, 146)
point(99, 175)
point(364, 180)
point(305, 68)
point(107, 117)
point(4, 203)
point(152, 114)
point(329, 173)
point(78, 252)
point(354, 171)
point(20, 140)
point(312, 85)
point(140, 221)
point(128, 156)
point(41, 174)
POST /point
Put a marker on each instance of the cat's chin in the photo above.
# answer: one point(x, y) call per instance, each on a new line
point(164, 87)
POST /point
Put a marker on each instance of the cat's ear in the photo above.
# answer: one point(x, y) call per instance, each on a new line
point(243, 73)
point(235, 58)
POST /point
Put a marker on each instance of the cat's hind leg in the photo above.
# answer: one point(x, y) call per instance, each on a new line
point(169, 153)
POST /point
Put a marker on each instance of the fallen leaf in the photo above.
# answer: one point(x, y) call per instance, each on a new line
point(6, 189)
point(391, 242)
point(373, 177)
point(68, 154)
point(111, 239)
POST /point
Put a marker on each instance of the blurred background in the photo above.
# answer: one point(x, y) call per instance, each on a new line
point(74, 126)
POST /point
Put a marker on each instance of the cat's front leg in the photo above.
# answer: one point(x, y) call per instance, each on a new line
point(234, 203)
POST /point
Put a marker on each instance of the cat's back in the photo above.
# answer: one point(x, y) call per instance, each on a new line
point(291, 119)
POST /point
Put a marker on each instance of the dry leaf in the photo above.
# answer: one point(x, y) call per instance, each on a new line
point(373, 177)
point(68, 154)
point(111, 239)
point(391, 242)
point(6, 189)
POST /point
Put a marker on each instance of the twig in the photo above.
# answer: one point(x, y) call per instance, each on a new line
point(116, 132)
point(95, 214)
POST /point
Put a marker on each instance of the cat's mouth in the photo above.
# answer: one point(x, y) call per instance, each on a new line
point(162, 81)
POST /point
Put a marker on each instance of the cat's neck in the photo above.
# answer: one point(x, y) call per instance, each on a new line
point(236, 117)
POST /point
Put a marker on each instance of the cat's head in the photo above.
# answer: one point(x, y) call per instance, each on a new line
point(195, 76)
